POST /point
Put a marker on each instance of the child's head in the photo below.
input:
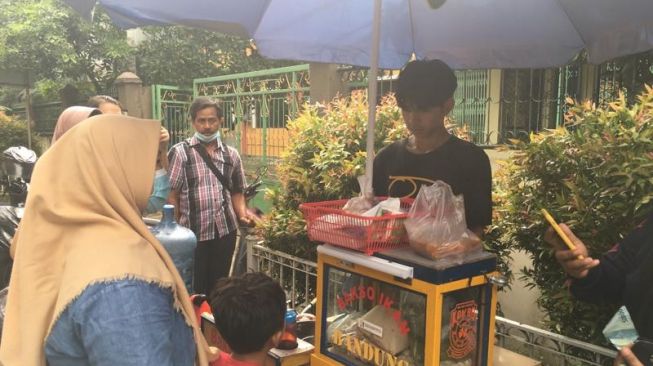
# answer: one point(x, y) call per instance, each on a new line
point(424, 84)
point(248, 310)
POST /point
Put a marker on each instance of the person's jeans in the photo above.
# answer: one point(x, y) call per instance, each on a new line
point(129, 322)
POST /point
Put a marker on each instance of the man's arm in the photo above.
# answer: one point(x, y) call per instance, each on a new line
point(173, 199)
point(606, 281)
point(238, 187)
point(478, 230)
point(176, 177)
point(596, 280)
point(162, 159)
point(240, 207)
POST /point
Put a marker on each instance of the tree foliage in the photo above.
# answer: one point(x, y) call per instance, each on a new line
point(56, 44)
point(14, 133)
point(594, 174)
point(177, 55)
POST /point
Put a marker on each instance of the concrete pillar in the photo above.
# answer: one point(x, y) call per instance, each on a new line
point(132, 95)
point(493, 114)
point(325, 82)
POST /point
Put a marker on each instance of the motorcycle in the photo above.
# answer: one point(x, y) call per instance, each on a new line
point(16, 164)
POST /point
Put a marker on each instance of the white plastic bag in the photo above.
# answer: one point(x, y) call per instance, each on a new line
point(362, 203)
point(436, 224)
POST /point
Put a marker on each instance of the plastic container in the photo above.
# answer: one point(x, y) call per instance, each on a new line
point(327, 222)
point(180, 242)
point(289, 337)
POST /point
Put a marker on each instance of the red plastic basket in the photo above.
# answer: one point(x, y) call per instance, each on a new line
point(326, 222)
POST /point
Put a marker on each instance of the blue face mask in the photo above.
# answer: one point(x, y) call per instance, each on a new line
point(160, 192)
point(209, 138)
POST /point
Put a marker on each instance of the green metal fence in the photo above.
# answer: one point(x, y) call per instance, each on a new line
point(45, 116)
point(356, 79)
point(170, 105)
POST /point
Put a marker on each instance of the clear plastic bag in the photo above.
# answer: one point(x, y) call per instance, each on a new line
point(364, 202)
point(436, 225)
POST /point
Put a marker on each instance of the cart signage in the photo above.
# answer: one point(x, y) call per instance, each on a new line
point(462, 329)
point(365, 350)
point(369, 293)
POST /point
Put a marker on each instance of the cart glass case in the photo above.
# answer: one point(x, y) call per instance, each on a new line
point(373, 322)
point(440, 316)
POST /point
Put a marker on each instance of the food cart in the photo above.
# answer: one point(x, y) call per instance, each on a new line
point(380, 303)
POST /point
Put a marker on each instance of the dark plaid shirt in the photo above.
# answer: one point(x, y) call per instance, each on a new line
point(203, 203)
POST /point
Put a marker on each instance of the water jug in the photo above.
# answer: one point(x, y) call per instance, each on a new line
point(180, 242)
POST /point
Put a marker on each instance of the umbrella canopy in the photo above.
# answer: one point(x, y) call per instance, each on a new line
point(466, 34)
point(463, 33)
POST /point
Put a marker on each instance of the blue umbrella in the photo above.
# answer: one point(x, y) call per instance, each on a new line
point(387, 33)
point(463, 33)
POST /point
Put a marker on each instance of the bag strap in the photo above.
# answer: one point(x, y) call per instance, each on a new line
point(205, 156)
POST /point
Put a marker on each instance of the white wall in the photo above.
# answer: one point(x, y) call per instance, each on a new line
point(518, 303)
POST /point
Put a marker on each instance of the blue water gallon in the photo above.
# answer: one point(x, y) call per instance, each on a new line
point(180, 242)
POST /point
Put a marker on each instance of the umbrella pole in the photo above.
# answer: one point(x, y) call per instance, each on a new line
point(372, 92)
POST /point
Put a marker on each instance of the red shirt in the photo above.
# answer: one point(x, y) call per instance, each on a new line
point(225, 359)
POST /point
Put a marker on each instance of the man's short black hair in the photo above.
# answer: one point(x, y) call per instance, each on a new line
point(204, 102)
point(424, 84)
point(248, 310)
point(96, 100)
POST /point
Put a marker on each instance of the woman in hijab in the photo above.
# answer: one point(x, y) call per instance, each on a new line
point(90, 284)
point(70, 117)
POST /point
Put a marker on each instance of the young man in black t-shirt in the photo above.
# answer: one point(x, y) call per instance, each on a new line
point(425, 95)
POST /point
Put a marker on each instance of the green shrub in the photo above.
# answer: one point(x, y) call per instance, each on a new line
point(595, 174)
point(14, 133)
point(325, 155)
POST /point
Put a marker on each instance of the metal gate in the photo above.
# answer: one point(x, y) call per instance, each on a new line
point(471, 99)
point(626, 75)
point(170, 105)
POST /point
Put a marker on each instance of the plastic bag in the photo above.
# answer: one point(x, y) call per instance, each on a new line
point(436, 225)
point(362, 203)
point(3, 305)
point(620, 331)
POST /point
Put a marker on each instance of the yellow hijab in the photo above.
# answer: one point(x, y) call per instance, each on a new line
point(82, 225)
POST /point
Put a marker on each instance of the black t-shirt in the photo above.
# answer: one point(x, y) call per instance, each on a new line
point(461, 164)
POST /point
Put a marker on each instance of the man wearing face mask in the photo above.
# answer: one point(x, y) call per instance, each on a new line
point(207, 183)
